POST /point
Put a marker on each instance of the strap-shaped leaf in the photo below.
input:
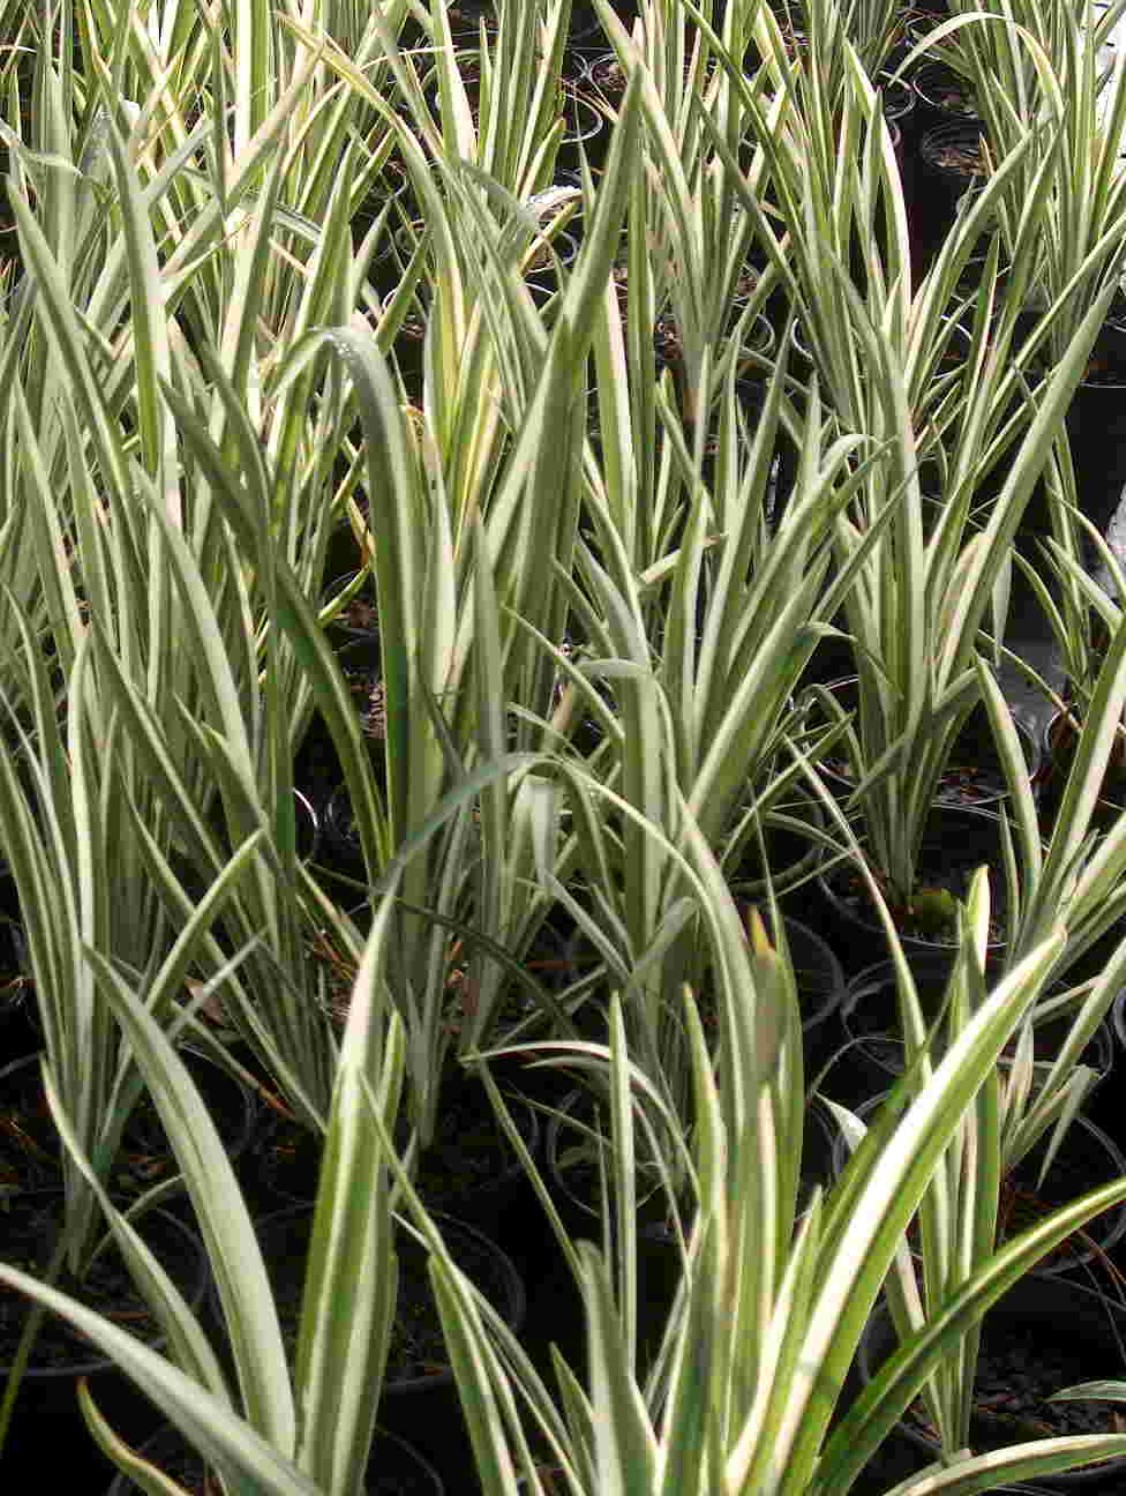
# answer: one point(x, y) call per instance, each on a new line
point(221, 1437)
point(228, 1231)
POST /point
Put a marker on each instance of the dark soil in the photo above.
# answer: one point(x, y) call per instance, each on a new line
point(619, 277)
point(29, 1225)
point(417, 1349)
point(465, 16)
point(361, 615)
point(970, 785)
point(29, 1146)
point(962, 784)
point(1016, 1375)
point(366, 690)
point(146, 1156)
point(667, 341)
point(943, 875)
point(746, 284)
point(30, 1156)
point(942, 89)
point(1083, 1163)
point(973, 776)
point(539, 261)
point(469, 1157)
point(607, 77)
point(396, 1470)
point(950, 99)
point(1106, 371)
point(286, 1162)
point(959, 160)
point(412, 333)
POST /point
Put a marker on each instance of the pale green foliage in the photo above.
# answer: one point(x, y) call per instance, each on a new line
point(203, 377)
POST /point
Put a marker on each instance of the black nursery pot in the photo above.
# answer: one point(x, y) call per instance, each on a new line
point(48, 1437)
point(362, 666)
point(282, 1169)
point(30, 1154)
point(543, 279)
point(1118, 1019)
point(416, 1361)
point(585, 28)
point(410, 341)
point(974, 777)
point(419, 1402)
point(470, 1170)
point(1043, 1336)
point(392, 186)
point(1096, 428)
point(358, 620)
point(393, 1467)
point(306, 833)
point(307, 827)
point(30, 1157)
point(821, 987)
point(31, 1221)
point(9, 895)
point(949, 162)
point(942, 96)
point(604, 78)
point(899, 103)
point(870, 1060)
point(343, 849)
point(576, 1194)
point(146, 1154)
point(574, 1171)
point(342, 552)
point(318, 764)
point(898, 100)
point(788, 851)
point(756, 361)
point(584, 135)
point(1060, 742)
point(1087, 1159)
point(819, 1138)
point(957, 840)
point(750, 393)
